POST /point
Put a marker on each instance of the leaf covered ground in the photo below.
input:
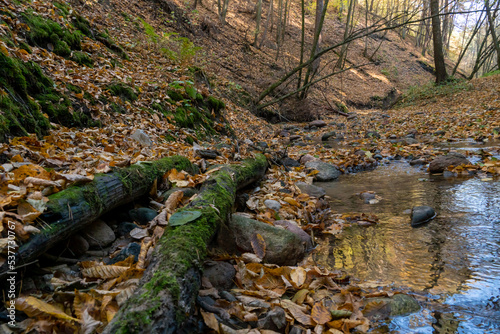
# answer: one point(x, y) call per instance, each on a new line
point(151, 104)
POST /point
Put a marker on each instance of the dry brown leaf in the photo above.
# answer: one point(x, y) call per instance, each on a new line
point(258, 245)
point(250, 258)
point(103, 271)
point(210, 320)
point(299, 313)
point(298, 276)
point(320, 314)
point(173, 201)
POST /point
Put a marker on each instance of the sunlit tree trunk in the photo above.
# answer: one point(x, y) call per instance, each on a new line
point(491, 21)
point(441, 75)
point(269, 22)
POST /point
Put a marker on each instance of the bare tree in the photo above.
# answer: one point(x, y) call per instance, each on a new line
point(441, 75)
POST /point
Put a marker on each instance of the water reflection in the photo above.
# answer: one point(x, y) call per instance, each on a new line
point(455, 256)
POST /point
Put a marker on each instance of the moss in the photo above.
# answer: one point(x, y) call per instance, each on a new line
point(73, 88)
point(82, 25)
point(170, 138)
point(62, 8)
point(215, 104)
point(25, 47)
point(125, 92)
point(175, 96)
point(82, 58)
point(48, 34)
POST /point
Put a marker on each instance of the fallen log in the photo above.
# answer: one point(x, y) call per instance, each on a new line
point(165, 299)
point(73, 208)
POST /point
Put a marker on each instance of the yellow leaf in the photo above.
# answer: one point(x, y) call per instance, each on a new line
point(298, 276)
point(291, 201)
point(34, 307)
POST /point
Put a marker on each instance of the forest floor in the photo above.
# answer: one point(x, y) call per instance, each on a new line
point(464, 112)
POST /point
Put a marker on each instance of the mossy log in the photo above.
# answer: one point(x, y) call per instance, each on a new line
point(165, 300)
point(73, 208)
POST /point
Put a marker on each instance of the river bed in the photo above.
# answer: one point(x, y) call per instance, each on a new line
point(454, 260)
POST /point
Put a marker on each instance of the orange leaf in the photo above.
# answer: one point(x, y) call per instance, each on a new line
point(320, 314)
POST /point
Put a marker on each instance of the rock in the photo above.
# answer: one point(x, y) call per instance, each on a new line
point(272, 204)
point(439, 164)
point(398, 305)
point(220, 274)
point(421, 215)
point(284, 133)
point(77, 245)
point(228, 296)
point(328, 135)
point(295, 137)
point(378, 156)
point(248, 141)
point(311, 189)
point(409, 141)
point(440, 133)
point(141, 137)
point(372, 134)
point(124, 228)
point(295, 229)
point(417, 162)
point(188, 192)
point(306, 158)
point(299, 143)
point(142, 215)
point(393, 137)
point(367, 196)
point(274, 320)
point(327, 172)
point(282, 246)
point(98, 234)
point(411, 135)
point(262, 144)
point(133, 249)
point(317, 123)
point(207, 154)
point(289, 162)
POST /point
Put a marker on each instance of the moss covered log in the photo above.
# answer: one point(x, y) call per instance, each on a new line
point(71, 209)
point(165, 301)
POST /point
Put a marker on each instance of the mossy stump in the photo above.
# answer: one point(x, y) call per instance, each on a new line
point(165, 300)
point(73, 208)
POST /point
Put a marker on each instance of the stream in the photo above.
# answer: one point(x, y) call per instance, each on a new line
point(453, 261)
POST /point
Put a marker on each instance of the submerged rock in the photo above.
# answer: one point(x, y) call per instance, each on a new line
point(327, 172)
point(439, 164)
point(398, 305)
point(282, 246)
point(421, 214)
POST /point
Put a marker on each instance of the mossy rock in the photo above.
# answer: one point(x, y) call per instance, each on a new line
point(123, 91)
point(21, 84)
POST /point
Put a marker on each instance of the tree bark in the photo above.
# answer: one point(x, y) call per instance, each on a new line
point(73, 208)
point(441, 75)
point(491, 21)
point(165, 300)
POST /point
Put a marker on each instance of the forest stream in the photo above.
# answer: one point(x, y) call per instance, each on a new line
point(451, 264)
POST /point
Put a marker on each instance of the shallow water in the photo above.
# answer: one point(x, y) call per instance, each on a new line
point(454, 259)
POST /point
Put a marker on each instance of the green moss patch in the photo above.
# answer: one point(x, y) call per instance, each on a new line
point(82, 58)
point(22, 82)
point(123, 91)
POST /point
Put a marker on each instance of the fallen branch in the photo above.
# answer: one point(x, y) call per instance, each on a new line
point(165, 300)
point(73, 208)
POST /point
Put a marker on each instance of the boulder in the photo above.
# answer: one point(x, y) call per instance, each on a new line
point(295, 229)
point(282, 246)
point(439, 164)
point(317, 123)
point(328, 135)
point(98, 234)
point(421, 214)
point(272, 204)
point(327, 172)
point(311, 189)
point(220, 274)
point(143, 215)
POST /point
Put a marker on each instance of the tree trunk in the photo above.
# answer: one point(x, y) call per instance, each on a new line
point(441, 74)
point(491, 21)
point(165, 300)
point(257, 25)
point(71, 209)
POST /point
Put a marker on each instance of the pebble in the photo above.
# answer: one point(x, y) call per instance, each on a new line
point(272, 204)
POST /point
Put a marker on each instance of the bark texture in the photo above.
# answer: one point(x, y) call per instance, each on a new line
point(165, 300)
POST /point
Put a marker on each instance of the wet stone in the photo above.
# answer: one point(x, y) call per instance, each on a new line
point(326, 171)
point(99, 234)
point(289, 162)
point(328, 135)
point(124, 228)
point(318, 123)
point(441, 163)
point(272, 204)
point(220, 274)
point(311, 189)
point(421, 214)
point(132, 249)
point(142, 215)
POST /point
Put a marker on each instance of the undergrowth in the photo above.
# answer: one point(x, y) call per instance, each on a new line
point(430, 91)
